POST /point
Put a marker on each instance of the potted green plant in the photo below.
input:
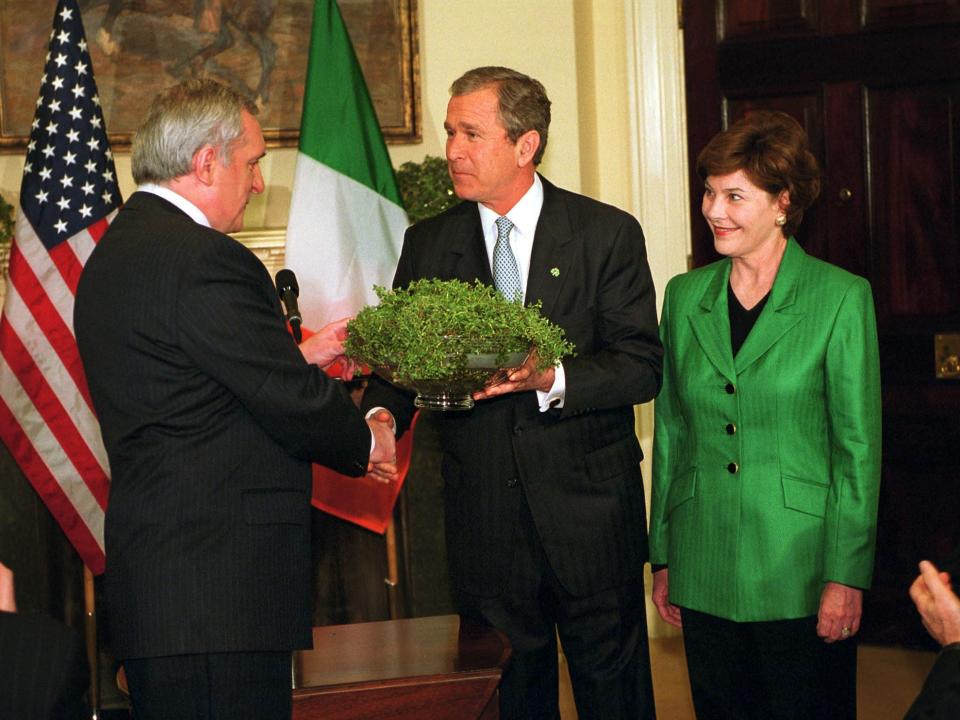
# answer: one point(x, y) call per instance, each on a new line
point(425, 187)
point(446, 339)
point(6, 222)
point(6, 238)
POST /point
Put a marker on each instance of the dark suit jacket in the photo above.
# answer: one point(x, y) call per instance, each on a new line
point(43, 669)
point(210, 417)
point(577, 467)
point(940, 697)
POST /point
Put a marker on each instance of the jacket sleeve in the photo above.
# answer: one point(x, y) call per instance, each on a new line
point(230, 325)
point(667, 416)
point(940, 697)
point(624, 363)
point(854, 412)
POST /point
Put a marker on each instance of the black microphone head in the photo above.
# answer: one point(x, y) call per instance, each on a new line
point(286, 280)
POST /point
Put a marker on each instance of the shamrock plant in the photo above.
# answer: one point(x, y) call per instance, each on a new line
point(430, 329)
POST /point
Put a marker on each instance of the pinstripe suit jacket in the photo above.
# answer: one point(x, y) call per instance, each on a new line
point(43, 669)
point(767, 466)
point(940, 697)
point(210, 417)
point(577, 467)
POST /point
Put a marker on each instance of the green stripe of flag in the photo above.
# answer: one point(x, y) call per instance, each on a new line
point(339, 126)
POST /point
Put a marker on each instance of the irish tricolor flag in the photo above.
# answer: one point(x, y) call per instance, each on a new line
point(346, 217)
point(345, 228)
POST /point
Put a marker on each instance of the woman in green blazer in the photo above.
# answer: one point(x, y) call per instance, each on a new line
point(767, 444)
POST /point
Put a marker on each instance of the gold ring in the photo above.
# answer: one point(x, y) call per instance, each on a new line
point(845, 631)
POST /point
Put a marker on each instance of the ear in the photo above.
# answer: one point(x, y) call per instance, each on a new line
point(204, 161)
point(526, 147)
point(783, 200)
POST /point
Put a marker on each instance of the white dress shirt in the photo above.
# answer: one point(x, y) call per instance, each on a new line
point(524, 216)
point(195, 213)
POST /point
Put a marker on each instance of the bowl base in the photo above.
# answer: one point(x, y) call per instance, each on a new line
point(443, 401)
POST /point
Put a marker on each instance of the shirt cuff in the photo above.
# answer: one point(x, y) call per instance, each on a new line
point(373, 411)
point(373, 440)
point(553, 399)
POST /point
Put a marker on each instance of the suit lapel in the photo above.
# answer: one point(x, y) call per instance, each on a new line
point(711, 326)
point(780, 314)
point(552, 251)
point(467, 249)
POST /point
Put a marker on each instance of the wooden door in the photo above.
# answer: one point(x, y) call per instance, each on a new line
point(876, 83)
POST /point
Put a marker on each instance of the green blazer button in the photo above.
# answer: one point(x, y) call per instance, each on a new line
point(732, 468)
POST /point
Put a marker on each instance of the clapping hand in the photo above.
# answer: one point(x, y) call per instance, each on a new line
point(937, 603)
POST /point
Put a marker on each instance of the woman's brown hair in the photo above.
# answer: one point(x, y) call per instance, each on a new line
point(772, 150)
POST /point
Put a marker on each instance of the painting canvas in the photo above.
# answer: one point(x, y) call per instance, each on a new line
point(259, 47)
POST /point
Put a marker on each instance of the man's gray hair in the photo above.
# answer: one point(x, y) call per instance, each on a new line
point(181, 120)
point(523, 101)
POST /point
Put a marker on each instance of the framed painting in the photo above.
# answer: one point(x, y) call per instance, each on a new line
point(260, 47)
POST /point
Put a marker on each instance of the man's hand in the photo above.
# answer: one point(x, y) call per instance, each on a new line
point(520, 379)
point(383, 460)
point(840, 609)
point(8, 600)
point(661, 598)
point(324, 347)
point(938, 605)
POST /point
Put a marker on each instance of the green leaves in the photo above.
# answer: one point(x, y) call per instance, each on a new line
point(425, 331)
point(6, 220)
point(425, 187)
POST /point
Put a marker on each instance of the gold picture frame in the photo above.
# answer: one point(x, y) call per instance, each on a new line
point(139, 47)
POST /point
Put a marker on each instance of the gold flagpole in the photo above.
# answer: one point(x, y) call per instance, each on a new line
point(392, 580)
point(90, 631)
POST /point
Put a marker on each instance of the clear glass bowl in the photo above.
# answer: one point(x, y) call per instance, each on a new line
point(479, 370)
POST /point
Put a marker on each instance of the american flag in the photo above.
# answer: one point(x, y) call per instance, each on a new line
point(68, 196)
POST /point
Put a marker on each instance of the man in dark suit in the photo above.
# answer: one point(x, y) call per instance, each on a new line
point(544, 508)
point(939, 609)
point(211, 416)
point(43, 668)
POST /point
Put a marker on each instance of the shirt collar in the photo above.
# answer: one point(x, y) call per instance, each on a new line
point(195, 213)
point(524, 215)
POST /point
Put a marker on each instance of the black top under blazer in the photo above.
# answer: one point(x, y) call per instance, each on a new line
point(211, 418)
point(577, 467)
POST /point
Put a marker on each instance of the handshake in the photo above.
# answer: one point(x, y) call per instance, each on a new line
point(325, 348)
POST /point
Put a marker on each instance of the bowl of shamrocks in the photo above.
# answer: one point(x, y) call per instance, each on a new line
point(446, 339)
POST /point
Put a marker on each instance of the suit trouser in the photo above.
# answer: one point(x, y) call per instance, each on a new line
point(604, 639)
point(213, 686)
point(778, 670)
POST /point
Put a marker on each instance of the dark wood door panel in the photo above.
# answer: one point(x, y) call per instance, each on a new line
point(842, 207)
point(913, 204)
point(919, 502)
point(894, 14)
point(744, 19)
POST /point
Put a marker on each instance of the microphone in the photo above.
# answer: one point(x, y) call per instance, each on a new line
point(288, 290)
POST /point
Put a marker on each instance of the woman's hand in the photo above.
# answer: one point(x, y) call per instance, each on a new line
point(661, 598)
point(840, 609)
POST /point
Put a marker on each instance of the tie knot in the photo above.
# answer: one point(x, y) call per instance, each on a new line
point(503, 227)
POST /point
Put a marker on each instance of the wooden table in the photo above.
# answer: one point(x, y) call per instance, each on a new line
point(434, 668)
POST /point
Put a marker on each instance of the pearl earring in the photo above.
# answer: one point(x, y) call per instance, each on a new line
point(781, 219)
